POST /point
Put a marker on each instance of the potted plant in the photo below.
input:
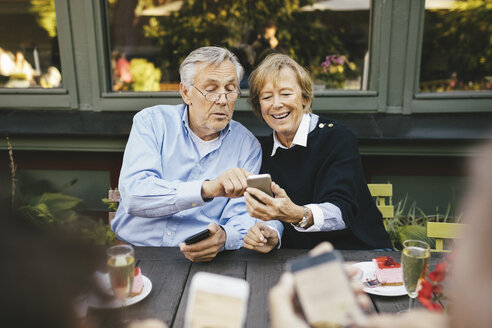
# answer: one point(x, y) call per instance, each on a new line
point(411, 223)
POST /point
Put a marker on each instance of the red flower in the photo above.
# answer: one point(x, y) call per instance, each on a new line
point(439, 273)
point(431, 306)
point(430, 290)
point(425, 291)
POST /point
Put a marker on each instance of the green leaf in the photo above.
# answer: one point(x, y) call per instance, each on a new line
point(58, 203)
point(415, 232)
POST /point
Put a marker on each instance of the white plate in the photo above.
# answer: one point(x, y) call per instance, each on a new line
point(103, 280)
point(369, 272)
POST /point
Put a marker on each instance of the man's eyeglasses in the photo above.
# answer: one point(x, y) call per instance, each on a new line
point(215, 96)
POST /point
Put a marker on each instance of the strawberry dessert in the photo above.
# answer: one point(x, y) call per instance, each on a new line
point(137, 286)
point(388, 272)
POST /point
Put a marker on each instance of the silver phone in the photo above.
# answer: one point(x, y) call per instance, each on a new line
point(262, 182)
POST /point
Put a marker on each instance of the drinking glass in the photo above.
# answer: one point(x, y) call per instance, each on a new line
point(121, 267)
point(414, 262)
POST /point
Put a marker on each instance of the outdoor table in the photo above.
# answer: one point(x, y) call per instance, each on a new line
point(170, 273)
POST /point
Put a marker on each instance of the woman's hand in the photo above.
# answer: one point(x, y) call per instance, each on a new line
point(267, 208)
point(261, 238)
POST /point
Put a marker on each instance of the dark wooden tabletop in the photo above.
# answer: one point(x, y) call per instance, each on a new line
point(171, 273)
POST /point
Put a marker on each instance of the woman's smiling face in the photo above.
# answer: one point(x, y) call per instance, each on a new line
point(282, 105)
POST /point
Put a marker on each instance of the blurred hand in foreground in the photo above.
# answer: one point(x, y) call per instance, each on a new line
point(284, 311)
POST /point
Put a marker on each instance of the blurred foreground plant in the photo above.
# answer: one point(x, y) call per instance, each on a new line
point(40, 203)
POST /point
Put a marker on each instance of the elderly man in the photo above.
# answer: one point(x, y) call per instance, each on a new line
point(185, 166)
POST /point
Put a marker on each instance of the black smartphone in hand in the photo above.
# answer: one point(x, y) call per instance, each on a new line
point(197, 237)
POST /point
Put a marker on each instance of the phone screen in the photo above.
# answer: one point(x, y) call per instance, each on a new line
point(215, 310)
point(324, 291)
point(216, 301)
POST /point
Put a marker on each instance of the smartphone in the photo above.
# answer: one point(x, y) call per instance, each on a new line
point(197, 237)
point(216, 301)
point(324, 292)
point(262, 182)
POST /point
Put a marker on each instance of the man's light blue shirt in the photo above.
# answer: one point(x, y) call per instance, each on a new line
point(162, 175)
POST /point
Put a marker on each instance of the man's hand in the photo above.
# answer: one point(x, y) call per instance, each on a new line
point(231, 183)
point(261, 238)
point(206, 249)
point(278, 208)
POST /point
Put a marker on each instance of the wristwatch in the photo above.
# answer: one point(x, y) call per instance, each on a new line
point(305, 219)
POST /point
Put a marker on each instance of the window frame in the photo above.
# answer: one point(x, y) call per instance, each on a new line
point(329, 100)
point(56, 98)
point(395, 47)
point(434, 102)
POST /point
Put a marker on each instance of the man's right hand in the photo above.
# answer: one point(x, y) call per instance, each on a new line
point(231, 183)
point(207, 249)
point(261, 238)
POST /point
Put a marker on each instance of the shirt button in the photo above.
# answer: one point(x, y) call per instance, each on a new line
point(169, 233)
point(193, 204)
point(198, 165)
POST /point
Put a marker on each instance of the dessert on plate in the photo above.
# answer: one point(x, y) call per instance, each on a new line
point(388, 271)
point(138, 285)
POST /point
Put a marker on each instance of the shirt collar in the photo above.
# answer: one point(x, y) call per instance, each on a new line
point(186, 123)
point(300, 138)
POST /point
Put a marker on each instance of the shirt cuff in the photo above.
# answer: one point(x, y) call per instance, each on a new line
point(189, 195)
point(318, 219)
point(271, 224)
point(234, 240)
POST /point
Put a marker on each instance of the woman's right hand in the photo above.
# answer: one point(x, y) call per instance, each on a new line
point(267, 208)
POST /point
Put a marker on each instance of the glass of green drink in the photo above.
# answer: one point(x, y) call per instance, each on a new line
point(121, 267)
point(414, 262)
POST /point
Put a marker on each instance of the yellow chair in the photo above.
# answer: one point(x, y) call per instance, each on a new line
point(383, 192)
point(443, 230)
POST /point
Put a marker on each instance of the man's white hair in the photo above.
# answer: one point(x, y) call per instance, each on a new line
point(208, 55)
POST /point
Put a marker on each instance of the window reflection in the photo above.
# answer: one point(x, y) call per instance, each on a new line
point(457, 46)
point(29, 55)
point(150, 38)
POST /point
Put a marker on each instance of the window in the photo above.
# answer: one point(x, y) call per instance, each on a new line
point(457, 46)
point(29, 54)
point(149, 39)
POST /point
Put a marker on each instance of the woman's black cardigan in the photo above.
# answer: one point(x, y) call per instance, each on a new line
point(329, 169)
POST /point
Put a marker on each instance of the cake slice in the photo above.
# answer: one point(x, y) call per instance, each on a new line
point(138, 285)
point(388, 272)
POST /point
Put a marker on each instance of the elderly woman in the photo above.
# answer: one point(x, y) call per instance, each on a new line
point(319, 186)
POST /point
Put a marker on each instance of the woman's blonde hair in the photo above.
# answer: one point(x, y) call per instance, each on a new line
point(270, 68)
